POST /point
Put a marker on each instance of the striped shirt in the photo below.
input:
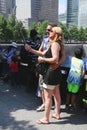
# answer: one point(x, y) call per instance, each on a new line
point(35, 46)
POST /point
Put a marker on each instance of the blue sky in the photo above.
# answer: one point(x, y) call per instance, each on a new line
point(23, 10)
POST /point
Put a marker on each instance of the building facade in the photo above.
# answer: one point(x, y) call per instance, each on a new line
point(82, 16)
point(62, 18)
point(49, 11)
point(44, 10)
point(40, 10)
point(72, 12)
point(3, 7)
point(76, 13)
point(35, 9)
point(7, 7)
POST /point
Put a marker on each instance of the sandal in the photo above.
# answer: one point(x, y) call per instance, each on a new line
point(41, 122)
point(55, 117)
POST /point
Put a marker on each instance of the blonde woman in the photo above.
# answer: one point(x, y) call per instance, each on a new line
point(53, 58)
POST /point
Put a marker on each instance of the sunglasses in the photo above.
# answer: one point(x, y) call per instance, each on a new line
point(48, 30)
point(51, 30)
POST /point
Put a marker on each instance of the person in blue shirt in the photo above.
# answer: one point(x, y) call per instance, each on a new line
point(44, 46)
point(28, 62)
point(7, 58)
point(12, 49)
point(76, 73)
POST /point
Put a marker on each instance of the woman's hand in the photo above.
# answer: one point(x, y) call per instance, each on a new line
point(40, 59)
point(28, 47)
point(44, 52)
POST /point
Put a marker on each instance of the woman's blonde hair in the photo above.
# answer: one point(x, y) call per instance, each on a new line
point(59, 35)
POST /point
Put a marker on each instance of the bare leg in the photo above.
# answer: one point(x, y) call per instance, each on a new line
point(42, 107)
point(43, 97)
point(73, 100)
point(48, 103)
point(57, 99)
point(68, 98)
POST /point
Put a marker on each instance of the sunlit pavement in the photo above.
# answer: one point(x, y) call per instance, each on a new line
point(18, 112)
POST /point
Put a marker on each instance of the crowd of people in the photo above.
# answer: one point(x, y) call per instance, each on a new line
point(39, 66)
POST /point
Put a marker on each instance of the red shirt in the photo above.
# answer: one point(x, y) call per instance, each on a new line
point(14, 66)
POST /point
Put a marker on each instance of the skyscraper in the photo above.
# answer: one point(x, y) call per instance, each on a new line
point(7, 7)
point(82, 16)
point(38, 10)
point(72, 12)
point(76, 13)
point(49, 11)
point(35, 9)
point(3, 7)
point(62, 13)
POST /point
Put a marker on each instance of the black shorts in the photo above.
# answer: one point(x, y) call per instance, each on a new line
point(53, 77)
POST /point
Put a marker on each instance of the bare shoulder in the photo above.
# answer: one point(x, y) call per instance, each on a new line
point(55, 43)
point(55, 46)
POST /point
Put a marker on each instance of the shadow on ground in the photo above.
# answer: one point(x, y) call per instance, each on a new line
point(15, 101)
point(16, 104)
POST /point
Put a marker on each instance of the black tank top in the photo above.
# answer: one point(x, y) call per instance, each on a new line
point(52, 77)
point(49, 53)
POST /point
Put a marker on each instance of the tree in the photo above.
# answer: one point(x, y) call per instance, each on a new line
point(41, 28)
point(81, 35)
point(16, 27)
point(33, 25)
point(11, 24)
point(3, 28)
point(73, 31)
point(85, 34)
point(20, 33)
point(65, 31)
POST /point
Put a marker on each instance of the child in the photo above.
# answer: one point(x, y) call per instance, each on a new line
point(76, 73)
point(14, 70)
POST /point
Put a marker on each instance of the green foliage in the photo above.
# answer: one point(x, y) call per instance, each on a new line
point(33, 25)
point(65, 30)
point(73, 33)
point(19, 31)
point(11, 29)
point(11, 21)
point(40, 27)
point(3, 28)
point(81, 35)
point(85, 34)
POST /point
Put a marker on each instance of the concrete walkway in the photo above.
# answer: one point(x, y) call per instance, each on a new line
point(18, 112)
